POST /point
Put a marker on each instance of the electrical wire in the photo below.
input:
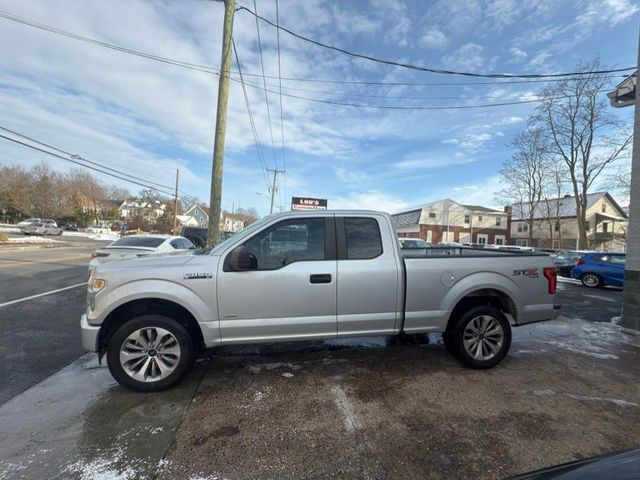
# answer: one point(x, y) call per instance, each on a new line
point(211, 70)
point(427, 69)
point(284, 161)
point(77, 160)
point(251, 120)
point(266, 95)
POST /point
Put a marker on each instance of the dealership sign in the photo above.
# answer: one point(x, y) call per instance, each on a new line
point(305, 203)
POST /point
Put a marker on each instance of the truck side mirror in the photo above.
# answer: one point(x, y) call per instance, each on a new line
point(241, 259)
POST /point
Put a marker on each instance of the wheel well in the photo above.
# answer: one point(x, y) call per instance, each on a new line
point(148, 306)
point(486, 296)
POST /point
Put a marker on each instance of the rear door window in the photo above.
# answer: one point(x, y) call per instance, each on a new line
point(363, 238)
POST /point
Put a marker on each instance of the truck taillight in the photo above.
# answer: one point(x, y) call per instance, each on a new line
point(552, 277)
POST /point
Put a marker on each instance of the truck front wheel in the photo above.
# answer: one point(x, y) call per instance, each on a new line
point(149, 353)
point(481, 337)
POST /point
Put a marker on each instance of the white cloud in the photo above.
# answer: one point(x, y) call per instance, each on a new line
point(350, 176)
point(611, 12)
point(470, 57)
point(369, 200)
point(517, 53)
point(434, 37)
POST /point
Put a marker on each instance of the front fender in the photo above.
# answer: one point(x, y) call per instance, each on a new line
point(143, 289)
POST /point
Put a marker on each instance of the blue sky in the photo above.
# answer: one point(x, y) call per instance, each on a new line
point(148, 118)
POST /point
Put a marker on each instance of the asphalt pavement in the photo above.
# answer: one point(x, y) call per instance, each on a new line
point(39, 336)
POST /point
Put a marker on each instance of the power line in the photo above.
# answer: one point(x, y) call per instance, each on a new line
point(77, 160)
point(284, 161)
point(266, 95)
point(211, 70)
point(427, 69)
point(251, 120)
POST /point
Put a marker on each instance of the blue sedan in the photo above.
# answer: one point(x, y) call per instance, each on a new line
point(599, 269)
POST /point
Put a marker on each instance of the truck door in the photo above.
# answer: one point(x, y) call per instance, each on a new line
point(291, 292)
point(368, 276)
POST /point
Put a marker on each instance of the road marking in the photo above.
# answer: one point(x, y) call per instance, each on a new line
point(41, 262)
point(13, 302)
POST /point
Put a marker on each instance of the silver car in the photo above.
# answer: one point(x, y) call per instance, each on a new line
point(42, 228)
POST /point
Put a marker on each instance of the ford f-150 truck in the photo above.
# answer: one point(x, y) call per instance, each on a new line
point(307, 276)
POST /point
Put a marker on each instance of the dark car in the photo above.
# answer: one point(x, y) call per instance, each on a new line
point(623, 465)
point(600, 269)
point(565, 260)
point(71, 227)
point(198, 235)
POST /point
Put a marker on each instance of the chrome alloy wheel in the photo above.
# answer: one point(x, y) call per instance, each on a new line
point(590, 280)
point(150, 354)
point(483, 337)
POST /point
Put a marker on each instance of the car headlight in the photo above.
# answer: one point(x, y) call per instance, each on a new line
point(97, 284)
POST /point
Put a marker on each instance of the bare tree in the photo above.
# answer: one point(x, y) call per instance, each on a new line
point(553, 191)
point(583, 132)
point(619, 181)
point(525, 173)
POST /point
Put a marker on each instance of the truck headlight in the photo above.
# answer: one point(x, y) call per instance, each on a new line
point(97, 284)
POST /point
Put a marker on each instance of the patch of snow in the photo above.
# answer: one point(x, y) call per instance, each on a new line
point(272, 366)
point(544, 392)
point(617, 401)
point(616, 320)
point(23, 240)
point(602, 298)
point(9, 229)
point(287, 374)
point(584, 350)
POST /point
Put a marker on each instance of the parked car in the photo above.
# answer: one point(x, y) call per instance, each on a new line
point(29, 221)
point(138, 246)
point(98, 229)
point(565, 260)
point(600, 269)
point(198, 235)
point(71, 227)
point(411, 243)
point(308, 275)
point(45, 228)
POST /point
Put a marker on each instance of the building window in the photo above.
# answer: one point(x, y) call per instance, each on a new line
point(482, 238)
point(467, 219)
point(499, 240)
point(498, 221)
point(523, 227)
point(432, 215)
point(479, 218)
point(605, 227)
point(604, 208)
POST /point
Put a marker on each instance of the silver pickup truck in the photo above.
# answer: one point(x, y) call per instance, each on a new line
point(308, 276)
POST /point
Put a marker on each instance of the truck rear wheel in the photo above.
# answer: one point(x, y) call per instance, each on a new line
point(481, 337)
point(150, 353)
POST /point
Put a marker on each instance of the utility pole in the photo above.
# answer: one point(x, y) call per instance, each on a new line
point(273, 188)
point(213, 232)
point(175, 204)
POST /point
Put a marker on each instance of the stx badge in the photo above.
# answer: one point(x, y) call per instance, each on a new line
point(194, 276)
point(528, 272)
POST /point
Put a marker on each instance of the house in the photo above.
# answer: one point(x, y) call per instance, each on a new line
point(449, 221)
point(148, 209)
point(198, 215)
point(555, 223)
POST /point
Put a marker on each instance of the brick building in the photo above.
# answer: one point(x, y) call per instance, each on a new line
point(449, 221)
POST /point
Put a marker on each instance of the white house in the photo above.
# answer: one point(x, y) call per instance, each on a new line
point(145, 208)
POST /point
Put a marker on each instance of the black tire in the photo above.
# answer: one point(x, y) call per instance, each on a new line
point(591, 280)
point(179, 332)
point(449, 343)
point(484, 313)
point(197, 241)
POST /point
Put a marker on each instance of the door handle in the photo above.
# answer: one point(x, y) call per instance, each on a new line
point(320, 278)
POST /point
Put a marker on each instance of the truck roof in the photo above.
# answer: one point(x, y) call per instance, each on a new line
point(318, 212)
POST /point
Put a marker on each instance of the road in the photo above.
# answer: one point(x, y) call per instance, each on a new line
point(39, 336)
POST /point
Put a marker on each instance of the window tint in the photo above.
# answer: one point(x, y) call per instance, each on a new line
point(135, 241)
point(288, 241)
point(363, 238)
point(619, 260)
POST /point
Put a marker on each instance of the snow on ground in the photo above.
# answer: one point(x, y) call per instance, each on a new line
point(95, 236)
point(8, 228)
point(30, 240)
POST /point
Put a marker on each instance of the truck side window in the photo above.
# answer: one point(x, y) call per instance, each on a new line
point(289, 241)
point(363, 238)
